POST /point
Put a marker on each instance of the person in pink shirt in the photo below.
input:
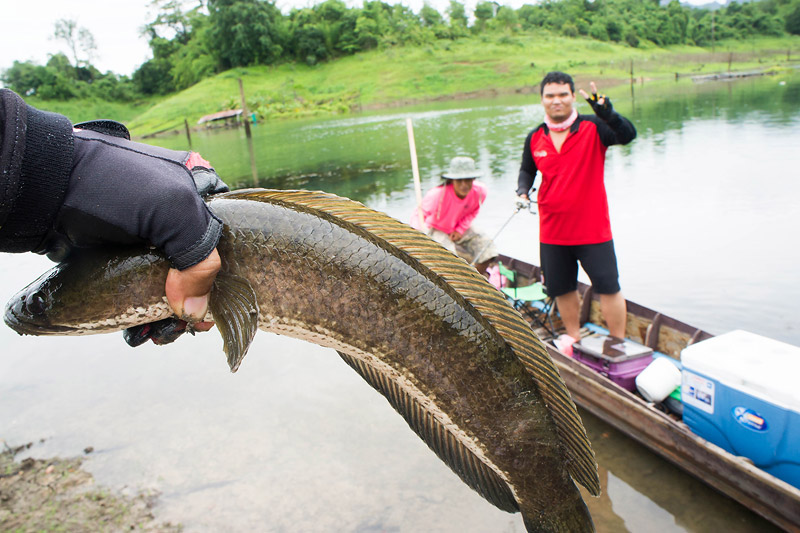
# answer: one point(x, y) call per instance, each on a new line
point(449, 209)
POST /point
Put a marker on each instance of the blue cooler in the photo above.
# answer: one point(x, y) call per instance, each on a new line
point(740, 391)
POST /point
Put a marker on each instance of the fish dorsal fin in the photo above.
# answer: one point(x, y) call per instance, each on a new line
point(234, 306)
point(474, 288)
point(439, 438)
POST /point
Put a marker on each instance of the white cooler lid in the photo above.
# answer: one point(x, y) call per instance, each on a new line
point(756, 365)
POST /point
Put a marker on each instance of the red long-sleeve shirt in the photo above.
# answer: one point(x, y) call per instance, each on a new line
point(573, 207)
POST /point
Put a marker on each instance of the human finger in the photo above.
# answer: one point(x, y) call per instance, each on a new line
point(188, 290)
point(594, 87)
point(583, 93)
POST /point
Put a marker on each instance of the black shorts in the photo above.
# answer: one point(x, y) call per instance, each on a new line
point(560, 267)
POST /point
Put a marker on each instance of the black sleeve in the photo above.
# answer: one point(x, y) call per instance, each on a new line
point(618, 129)
point(527, 170)
point(36, 150)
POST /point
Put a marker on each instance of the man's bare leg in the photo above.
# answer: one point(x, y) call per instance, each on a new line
point(569, 307)
point(615, 312)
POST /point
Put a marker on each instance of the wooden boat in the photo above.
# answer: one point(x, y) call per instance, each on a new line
point(660, 431)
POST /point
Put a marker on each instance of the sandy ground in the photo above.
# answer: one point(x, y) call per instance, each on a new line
point(58, 495)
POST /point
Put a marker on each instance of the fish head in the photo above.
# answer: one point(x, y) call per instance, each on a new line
point(93, 291)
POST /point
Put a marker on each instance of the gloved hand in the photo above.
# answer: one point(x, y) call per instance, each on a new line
point(62, 188)
point(601, 105)
point(161, 332)
point(123, 193)
point(207, 181)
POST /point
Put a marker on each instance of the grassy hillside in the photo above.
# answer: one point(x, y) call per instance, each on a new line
point(476, 66)
point(81, 109)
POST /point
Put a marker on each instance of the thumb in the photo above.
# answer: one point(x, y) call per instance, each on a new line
point(188, 290)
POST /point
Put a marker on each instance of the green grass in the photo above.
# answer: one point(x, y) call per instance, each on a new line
point(81, 110)
point(476, 66)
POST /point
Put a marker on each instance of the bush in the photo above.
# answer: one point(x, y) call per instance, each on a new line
point(154, 77)
point(614, 30)
point(599, 32)
point(792, 24)
point(29, 79)
point(569, 30)
point(58, 89)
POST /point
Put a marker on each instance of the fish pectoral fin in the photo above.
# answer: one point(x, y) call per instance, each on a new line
point(234, 305)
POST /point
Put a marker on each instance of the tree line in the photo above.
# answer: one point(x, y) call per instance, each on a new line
point(194, 39)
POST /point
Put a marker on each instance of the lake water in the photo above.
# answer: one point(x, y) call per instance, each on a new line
point(705, 214)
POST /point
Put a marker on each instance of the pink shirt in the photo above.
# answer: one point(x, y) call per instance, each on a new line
point(445, 211)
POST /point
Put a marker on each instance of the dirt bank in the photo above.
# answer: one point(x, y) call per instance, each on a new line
point(58, 495)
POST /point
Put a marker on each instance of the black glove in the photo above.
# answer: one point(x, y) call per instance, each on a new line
point(604, 110)
point(121, 192)
point(61, 189)
point(161, 332)
point(207, 181)
point(83, 223)
point(168, 330)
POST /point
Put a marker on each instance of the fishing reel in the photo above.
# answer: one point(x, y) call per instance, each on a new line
point(529, 205)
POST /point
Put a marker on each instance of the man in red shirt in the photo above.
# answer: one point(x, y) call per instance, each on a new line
point(574, 226)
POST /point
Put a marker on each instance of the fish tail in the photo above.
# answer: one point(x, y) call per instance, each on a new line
point(564, 517)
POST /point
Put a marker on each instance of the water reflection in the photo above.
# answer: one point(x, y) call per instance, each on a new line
point(642, 492)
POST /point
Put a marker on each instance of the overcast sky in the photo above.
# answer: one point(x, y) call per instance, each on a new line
point(28, 27)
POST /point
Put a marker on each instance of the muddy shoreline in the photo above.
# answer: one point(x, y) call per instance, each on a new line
point(57, 494)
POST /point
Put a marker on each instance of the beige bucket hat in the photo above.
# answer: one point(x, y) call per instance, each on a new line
point(461, 168)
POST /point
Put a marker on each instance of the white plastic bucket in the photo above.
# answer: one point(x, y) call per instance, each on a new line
point(658, 380)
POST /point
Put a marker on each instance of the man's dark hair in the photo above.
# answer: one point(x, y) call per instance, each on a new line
point(557, 77)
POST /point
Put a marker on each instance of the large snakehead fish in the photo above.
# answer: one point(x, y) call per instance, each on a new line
point(420, 325)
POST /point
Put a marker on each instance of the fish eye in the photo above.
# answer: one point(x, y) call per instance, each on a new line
point(35, 304)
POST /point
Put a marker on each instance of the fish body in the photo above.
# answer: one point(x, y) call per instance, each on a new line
point(417, 323)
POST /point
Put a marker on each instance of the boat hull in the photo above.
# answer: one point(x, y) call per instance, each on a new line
point(734, 476)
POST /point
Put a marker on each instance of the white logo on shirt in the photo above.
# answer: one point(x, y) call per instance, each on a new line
point(540, 153)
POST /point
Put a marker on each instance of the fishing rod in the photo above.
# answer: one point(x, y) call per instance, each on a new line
point(521, 204)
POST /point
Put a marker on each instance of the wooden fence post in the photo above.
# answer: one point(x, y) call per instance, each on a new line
point(188, 135)
point(248, 135)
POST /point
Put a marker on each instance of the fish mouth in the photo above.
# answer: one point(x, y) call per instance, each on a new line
point(24, 324)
